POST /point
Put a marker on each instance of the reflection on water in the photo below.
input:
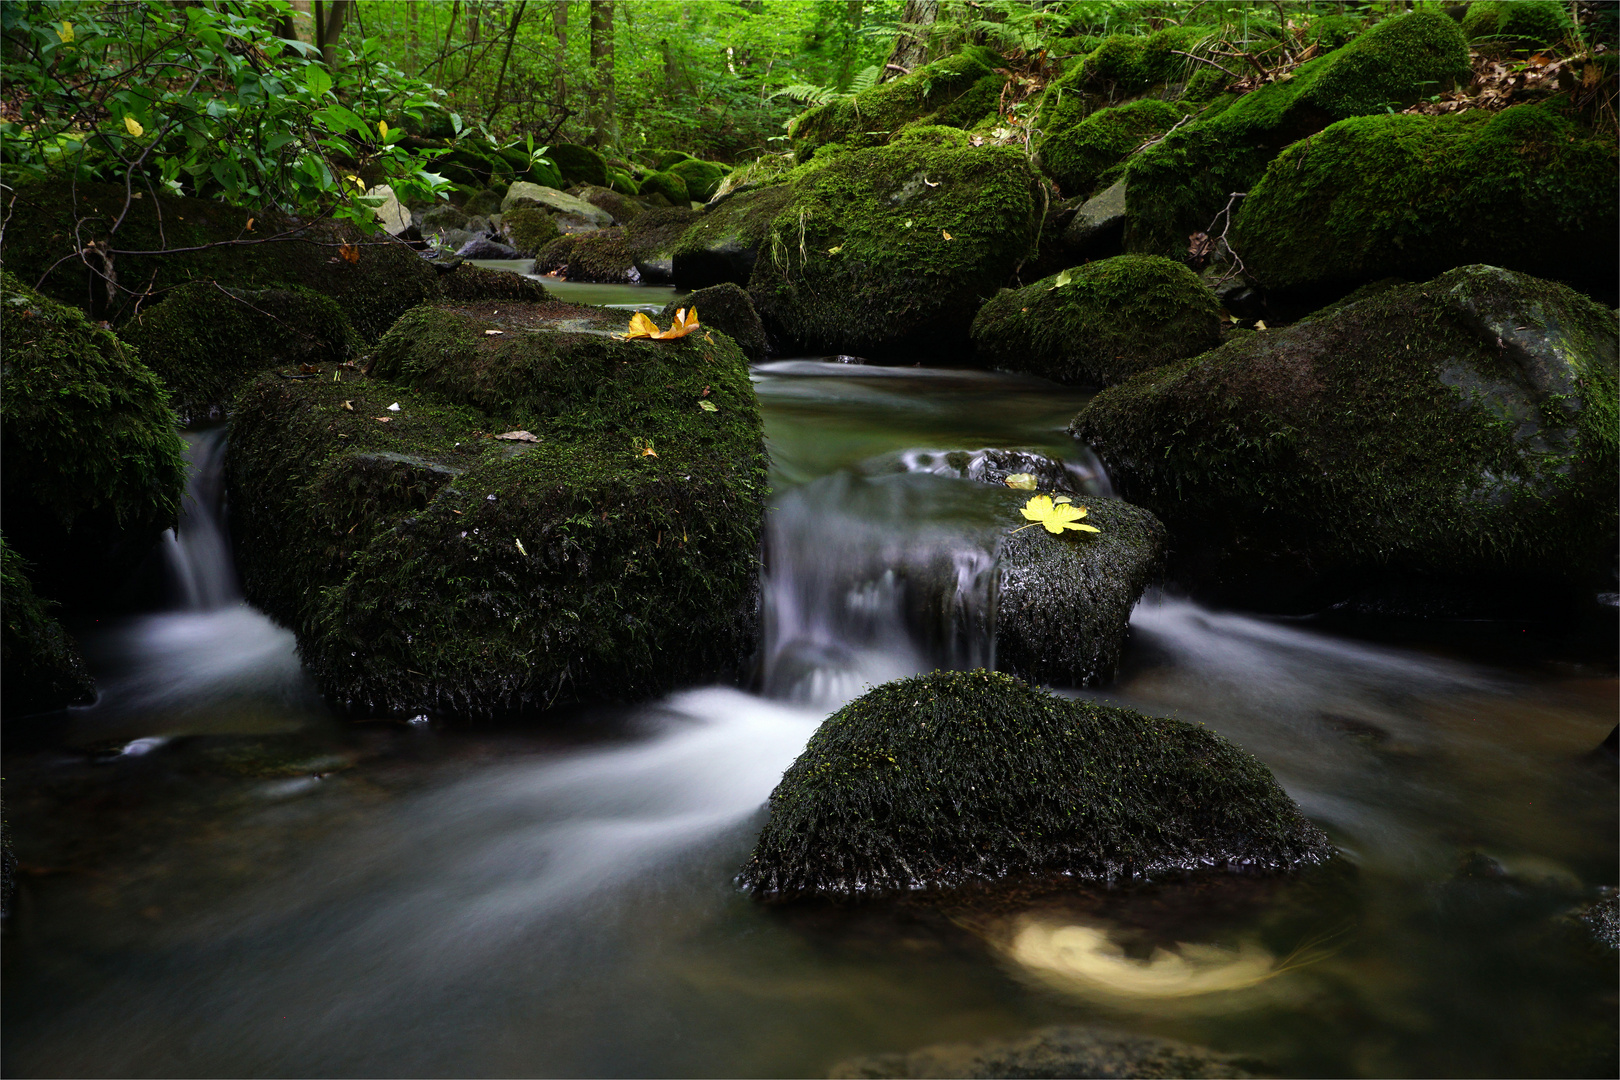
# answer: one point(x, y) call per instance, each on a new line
point(648, 298)
point(379, 898)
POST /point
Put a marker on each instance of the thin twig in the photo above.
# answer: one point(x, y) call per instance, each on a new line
point(1211, 63)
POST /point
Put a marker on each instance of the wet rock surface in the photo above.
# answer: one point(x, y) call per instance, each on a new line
point(1049, 1053)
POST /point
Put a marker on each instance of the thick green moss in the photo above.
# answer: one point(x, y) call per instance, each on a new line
point(726, 308)
point(1177, 186)
point(1329, 32)
point(529, 228)
point(1522, 24)
point(933, 135)
point(963, 776)
point(486, 202)
point(1116, 317)
point(425, 565)
point(578, 164)
point(466, 283)
point(604, 255)
point(1454, 438)
point(203, 340)
point(724, 243)
point(893, 248)
point(1077, 156)
point(1122, 66)
point(668, 185)
point(956, 91)
point(387, 279)
point(1374, 196)
point(92, 469)
point(44, 670)
point(621, 181)
point(702, 178)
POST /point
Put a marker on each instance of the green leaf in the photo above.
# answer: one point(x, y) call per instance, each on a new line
point(318, 81)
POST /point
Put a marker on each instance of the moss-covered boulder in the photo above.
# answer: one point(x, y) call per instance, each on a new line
point(1329, 32)
point(1525, 188)
point(203, 340)
point(622, 207)
point(1097, 324)
point(702, 178)
point(1078, 156)
point(386, 279)
point(1065, 601)
point(1449, 445)
point(529, 228)
point(892, 249)
point(427, 566)
point(91, 470)
point(724, 243)
point(725, 308)
point(466, 283)
point(652, 237)
point(572, 213)
point(486, 202)
point(44, 670)
point(1119, 67)
point(579, 164)
point(444, 216)
point(964, 776)
point(602, 256)
point(956, 91)
point(668, 185)
point(623, 183)
point(1522, 24)
point(1180, 184)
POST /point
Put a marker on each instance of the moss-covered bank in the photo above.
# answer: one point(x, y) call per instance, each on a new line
point(42, 665)
point(1452, 442)
point(91, 470)
point(966, 776)
point(1111, 319)
point(1526, 189)
point(1077, 157)
point(426, 566)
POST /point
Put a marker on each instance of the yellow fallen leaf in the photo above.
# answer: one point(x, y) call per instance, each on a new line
point(349, 405)
point(708, 406)
point(382, 419)
point(132, 125)
point(519, 544)
point(1021, 481)
point(519, 436)
point(648, 451)
point(641, 326)
point(1260, 324)
point(1055, 518)
point(946, 235)
point(249, 226)
point(835, 250)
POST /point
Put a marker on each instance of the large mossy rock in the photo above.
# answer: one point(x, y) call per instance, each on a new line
point(1521, 24)
point(91, 470)
point(1411, 196)
point(956, 91)
point(964, 776)
point(702, 178)
point(891, 250)
point(1078, 156)
point(43, 669)
point(386, 279)
point(725, 308)
point(1109, 320)
point(529, 228)
point(579, 164)
point(1179, 185)
point(203, 340)
point(1446, 445)
point(668, 185)
point(1120, 67)
point(651, 239)
point(724, 243)
point(1065, 601)
point(426, 566)
point(576, 215)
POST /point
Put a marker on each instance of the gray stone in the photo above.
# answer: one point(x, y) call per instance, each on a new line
point(482, 247)
point(561, 203)
point(1097, 229)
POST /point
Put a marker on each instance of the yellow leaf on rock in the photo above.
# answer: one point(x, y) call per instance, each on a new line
point(133, 126)
point(643, 327)
point(1056, 517)
point(648, 451)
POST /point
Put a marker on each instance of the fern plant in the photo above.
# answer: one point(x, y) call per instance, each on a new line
point(812, 95)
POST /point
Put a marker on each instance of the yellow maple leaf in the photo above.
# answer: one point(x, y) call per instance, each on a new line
point(133, 126)
point(66, 33)
point(1055, 517)
point(643, 327)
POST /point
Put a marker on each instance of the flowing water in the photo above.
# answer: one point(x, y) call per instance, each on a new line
point(221, 878)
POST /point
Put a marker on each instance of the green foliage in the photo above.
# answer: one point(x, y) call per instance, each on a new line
point(1525, 188)
point(1109, 320)
point(1523, 24)
point(958, 776)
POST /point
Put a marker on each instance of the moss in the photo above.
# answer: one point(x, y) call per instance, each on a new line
point(92, 469)
point(893, 248)
point(44, 670)
point(767, 169)
point(956, 91)
point(387, 279)
point(1116, 317)
point(932, 135)
point(1121, 66)
point(467, 283)
point(623, 208)
point(663, 159)
point(668, 185)
point(578, 164)
point(1374, 196)
point(1457, 436)
point(702, 178)
point(724, 243)
point(1179, 185)
point(1329, 32)
point(726, 308)
point(485, 203)
point(604, 256)
point(446, 216)
point(203, 340)
point(620, 181)
point(1076, 157)
point(529, 228)
point(959, 776)
point(392, 549)
point(1523, 24)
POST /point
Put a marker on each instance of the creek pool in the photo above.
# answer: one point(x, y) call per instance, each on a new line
point(221, 878)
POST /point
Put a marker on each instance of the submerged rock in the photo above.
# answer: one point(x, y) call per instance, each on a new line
point(550, 515)
point(1106, 321)
point(964, 776)
point(1052, 1052)
point(1452, 443)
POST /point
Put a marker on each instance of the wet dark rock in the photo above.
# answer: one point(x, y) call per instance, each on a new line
point(1603, 918)
point(724, 242)
point(43, 668)
point(1052, 1052)
point(1097, 230)
point(482, 247)
point(725, 308)
point(1446, 446)
point(960, 777)
point(466, 282)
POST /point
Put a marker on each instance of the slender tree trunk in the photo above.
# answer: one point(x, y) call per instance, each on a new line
point(449, 34)
point(329, 27)
point(413, 14)
point(559, 29)
point(601, 103)
point(854, 12)
point(506, 58)
point(911, 47)
point(475, 24)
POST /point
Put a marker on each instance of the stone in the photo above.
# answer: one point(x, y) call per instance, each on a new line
point(557, 202)
point(725, 308)
point(1050, 1053)
point(1097, 229)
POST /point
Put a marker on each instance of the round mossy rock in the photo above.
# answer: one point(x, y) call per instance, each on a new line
point(1097, 324)
point(621, 181)
point(1077, 156)
point(702, 177)
point(1525, 188)
point(622, 207)
point(485, 203)
point(529, 228)
point(1446, 447)
point(578, 164)
point(963, 776)
point(1522, 24)
point(669, 185)
point(724, 243)
point(726, 308)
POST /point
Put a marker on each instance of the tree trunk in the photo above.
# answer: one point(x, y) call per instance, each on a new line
point(329, 27)
point(506, 59)
point(559, 28)
point(601, 103)
point(414, 50)
point(911, 47)
point(854, 12)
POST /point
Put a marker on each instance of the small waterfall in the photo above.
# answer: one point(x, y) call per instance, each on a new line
point(198, 552)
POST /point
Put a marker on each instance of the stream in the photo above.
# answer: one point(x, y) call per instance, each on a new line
point(220, 877)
